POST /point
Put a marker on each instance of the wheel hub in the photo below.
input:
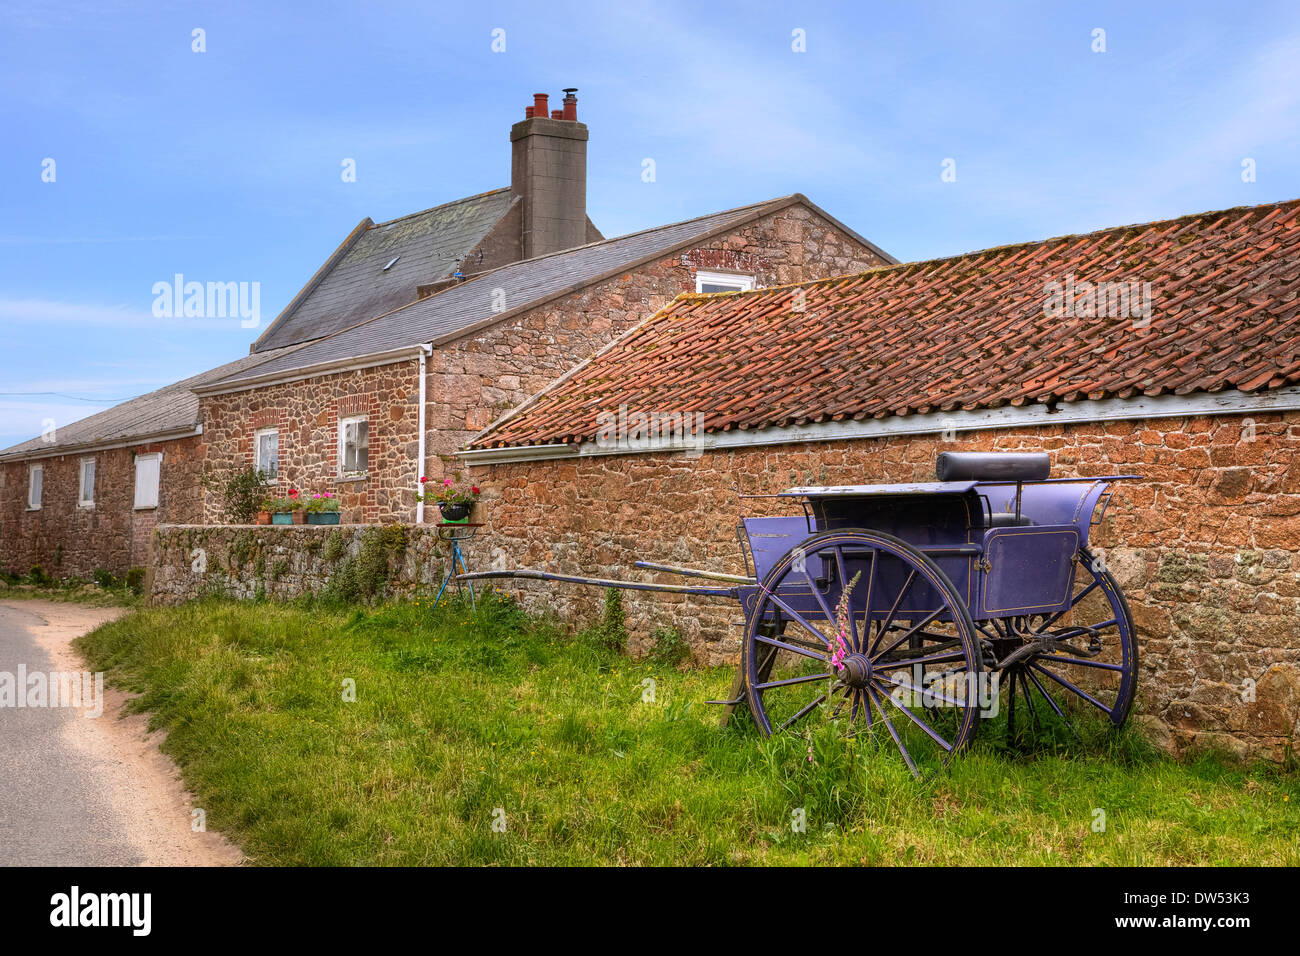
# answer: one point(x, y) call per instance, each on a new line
point(856, 670)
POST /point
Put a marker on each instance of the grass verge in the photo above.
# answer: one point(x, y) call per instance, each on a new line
point(464, 719)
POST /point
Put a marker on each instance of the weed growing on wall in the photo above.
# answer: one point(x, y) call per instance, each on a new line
point(610, 632)
point(363, 578)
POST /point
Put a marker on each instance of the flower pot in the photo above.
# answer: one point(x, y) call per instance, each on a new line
point(264, 517)
point(299, 516)
point(454, 513)
point(322, 517)
point(282, 517)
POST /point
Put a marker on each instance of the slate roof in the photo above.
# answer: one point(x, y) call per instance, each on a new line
point(171, 409)
point(527, 284)
point(959, 333)
point(353, 285)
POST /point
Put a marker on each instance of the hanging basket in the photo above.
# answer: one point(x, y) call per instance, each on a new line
point(454, 513)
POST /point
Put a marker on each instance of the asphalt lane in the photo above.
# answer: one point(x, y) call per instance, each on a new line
point(53, 809)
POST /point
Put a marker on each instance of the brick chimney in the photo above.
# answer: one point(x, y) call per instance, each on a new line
point(548, 170)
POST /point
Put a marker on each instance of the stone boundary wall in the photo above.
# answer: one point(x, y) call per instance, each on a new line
point(282, 562)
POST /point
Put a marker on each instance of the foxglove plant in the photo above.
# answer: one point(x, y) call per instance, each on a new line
point(840, 644)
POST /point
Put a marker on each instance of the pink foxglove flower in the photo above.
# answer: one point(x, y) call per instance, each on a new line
point(840, 643)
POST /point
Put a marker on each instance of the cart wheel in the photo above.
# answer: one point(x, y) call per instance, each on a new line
point(907, 666)
point(1091, 664)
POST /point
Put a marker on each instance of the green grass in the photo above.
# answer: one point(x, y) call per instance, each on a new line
point(461, 717)
point(74, 592)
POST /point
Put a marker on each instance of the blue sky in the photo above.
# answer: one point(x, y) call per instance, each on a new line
point(225, 165)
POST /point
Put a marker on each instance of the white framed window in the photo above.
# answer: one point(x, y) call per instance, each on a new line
point(35, 480)
point(148, 469)
point(723, 282)
point(86, 484)
point(266, 451)
point(354, 446)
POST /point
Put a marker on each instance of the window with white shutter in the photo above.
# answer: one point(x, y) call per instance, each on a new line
point(354, 446)
point(148, 469)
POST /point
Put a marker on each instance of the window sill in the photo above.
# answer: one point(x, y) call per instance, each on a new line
point(86, 505)
point(342, 479)
point(30, 508)
point(145, 508)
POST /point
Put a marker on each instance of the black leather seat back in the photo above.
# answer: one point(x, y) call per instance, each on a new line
point(992, 466)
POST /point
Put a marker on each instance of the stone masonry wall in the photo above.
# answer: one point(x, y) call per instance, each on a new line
point(286, 561)
point(68, 540)
point(307, 414)
point(1206, 546)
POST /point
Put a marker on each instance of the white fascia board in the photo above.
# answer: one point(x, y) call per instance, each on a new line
point(61, 451)
point(1008, 416)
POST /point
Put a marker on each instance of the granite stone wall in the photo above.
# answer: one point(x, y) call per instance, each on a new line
point(281, 562)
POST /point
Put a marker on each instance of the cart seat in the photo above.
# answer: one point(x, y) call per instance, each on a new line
point(1005, 519)
point(991, 466)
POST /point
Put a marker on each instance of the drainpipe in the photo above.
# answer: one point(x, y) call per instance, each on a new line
point(425, 352)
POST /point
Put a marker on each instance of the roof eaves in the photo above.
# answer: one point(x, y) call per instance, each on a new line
point(57, 450)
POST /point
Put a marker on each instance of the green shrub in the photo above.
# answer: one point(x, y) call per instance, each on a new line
point(36, 575)
point(105, 579)
point(241, 494)
point(668, 648)
point(135, 580)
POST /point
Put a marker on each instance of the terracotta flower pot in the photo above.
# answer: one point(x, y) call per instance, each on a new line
point(264, 517)
point(299, 517)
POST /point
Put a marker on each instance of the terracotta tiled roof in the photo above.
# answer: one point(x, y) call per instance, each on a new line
point(968, 332)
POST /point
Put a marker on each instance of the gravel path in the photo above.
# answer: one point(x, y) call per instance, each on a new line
point(86, 791)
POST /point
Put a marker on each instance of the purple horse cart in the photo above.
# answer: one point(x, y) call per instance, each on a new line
point(911, 610)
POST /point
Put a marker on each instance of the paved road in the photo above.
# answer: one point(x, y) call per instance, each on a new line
point(53, 808)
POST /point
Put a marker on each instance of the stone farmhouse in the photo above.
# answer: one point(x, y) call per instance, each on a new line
point(1192, 381)
point(412, 337)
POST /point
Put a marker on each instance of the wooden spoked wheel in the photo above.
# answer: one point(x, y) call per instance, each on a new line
point(1079, 660)
point(902, 670)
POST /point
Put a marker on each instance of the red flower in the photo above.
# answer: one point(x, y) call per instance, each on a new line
point(293, 492)
point(474, 489)
point(424, 479)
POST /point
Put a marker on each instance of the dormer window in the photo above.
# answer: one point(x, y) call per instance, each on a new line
point(723, 282)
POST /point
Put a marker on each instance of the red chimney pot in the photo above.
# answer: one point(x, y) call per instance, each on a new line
point(557, 114)
point(528, 112)
point(570, 106)
point(539, 104)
